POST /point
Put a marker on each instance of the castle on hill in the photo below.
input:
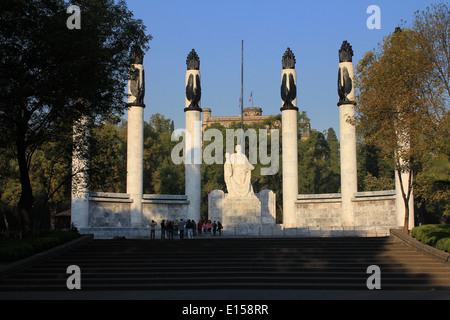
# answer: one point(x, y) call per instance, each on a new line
point(251, 115)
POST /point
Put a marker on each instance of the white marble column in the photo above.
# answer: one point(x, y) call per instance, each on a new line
point(346, 90)
point(135, 136)
point(289, 122)
point(80, 174)
point(193, 147)
point(135, 153)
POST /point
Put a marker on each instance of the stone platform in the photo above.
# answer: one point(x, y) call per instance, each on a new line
point(248, 230)
point(252, 216)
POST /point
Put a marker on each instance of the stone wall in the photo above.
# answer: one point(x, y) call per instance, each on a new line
point(316, 215)
point(164, 207)
point(375, 209)
point(109, 210)
point(110, 214)
point(318, 210)
point(374, 213)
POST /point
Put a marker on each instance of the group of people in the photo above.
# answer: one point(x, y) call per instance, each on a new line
point(189, 228)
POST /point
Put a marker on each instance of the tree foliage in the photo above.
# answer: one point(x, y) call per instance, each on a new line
point(403, 95)
point(51, 75)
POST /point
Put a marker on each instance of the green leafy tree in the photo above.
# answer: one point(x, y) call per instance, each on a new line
point(331, 176)
point(51, 74)
point(400, 105)
point(161, 175)
point(107, 158)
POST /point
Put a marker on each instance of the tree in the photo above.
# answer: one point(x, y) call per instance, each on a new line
point(161, 175)
point(51, 74)
point(331, 176)
point(400, 105)
point(107, 157)
point(433, 187)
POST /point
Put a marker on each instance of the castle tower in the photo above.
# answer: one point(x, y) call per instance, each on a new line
point(346, 91)
point(289, 115)
point(135, 132)
point(193, 149)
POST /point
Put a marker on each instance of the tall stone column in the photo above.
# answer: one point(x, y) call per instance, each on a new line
point(193, 141)
point(135, 134)
point(346, 91)
point(80, 174)
point(289, 121)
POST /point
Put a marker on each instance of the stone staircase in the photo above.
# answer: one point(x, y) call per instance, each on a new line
point(227, 263)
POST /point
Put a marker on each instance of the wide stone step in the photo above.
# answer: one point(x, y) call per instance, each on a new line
point(385, 270)
point(322, 263)
point(228, 285)
point(190, 275)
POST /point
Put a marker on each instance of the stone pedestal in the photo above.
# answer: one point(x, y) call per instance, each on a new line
point(249, 216)
point(241, 211)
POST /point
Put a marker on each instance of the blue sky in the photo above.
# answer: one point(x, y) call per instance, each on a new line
point(314, 30)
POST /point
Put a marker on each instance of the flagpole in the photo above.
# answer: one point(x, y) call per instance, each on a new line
point(242, 87)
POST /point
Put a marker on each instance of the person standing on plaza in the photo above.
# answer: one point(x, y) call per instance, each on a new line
point(199, 227)
point(163, 229)
point(189, 228)
point(209, 226)
point(175, 228)
point(194, 228)
point(170, 230)
point(152, 229)
point(214, 227)
point(181, 226)
point(219, 227)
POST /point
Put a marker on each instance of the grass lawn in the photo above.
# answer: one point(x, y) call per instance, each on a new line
point(435, 235)
point(15, 249)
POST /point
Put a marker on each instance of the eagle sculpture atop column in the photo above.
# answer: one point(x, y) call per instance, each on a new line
point(345, 75)
point(288, 81)
point(136, 77)
point(193, 87)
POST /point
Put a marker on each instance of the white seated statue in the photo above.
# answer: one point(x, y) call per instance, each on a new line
point(238, 173)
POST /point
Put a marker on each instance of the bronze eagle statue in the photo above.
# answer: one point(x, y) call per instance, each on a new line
point(345, 85)
point(193, 91)
point(137, 84)
point(288, 93)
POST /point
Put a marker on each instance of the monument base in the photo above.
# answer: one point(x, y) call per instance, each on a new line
point(241, 211)
point(254, 215)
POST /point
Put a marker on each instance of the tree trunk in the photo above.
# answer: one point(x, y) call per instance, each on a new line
point(406, 198)
point(26, 196)
point(406, 224)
